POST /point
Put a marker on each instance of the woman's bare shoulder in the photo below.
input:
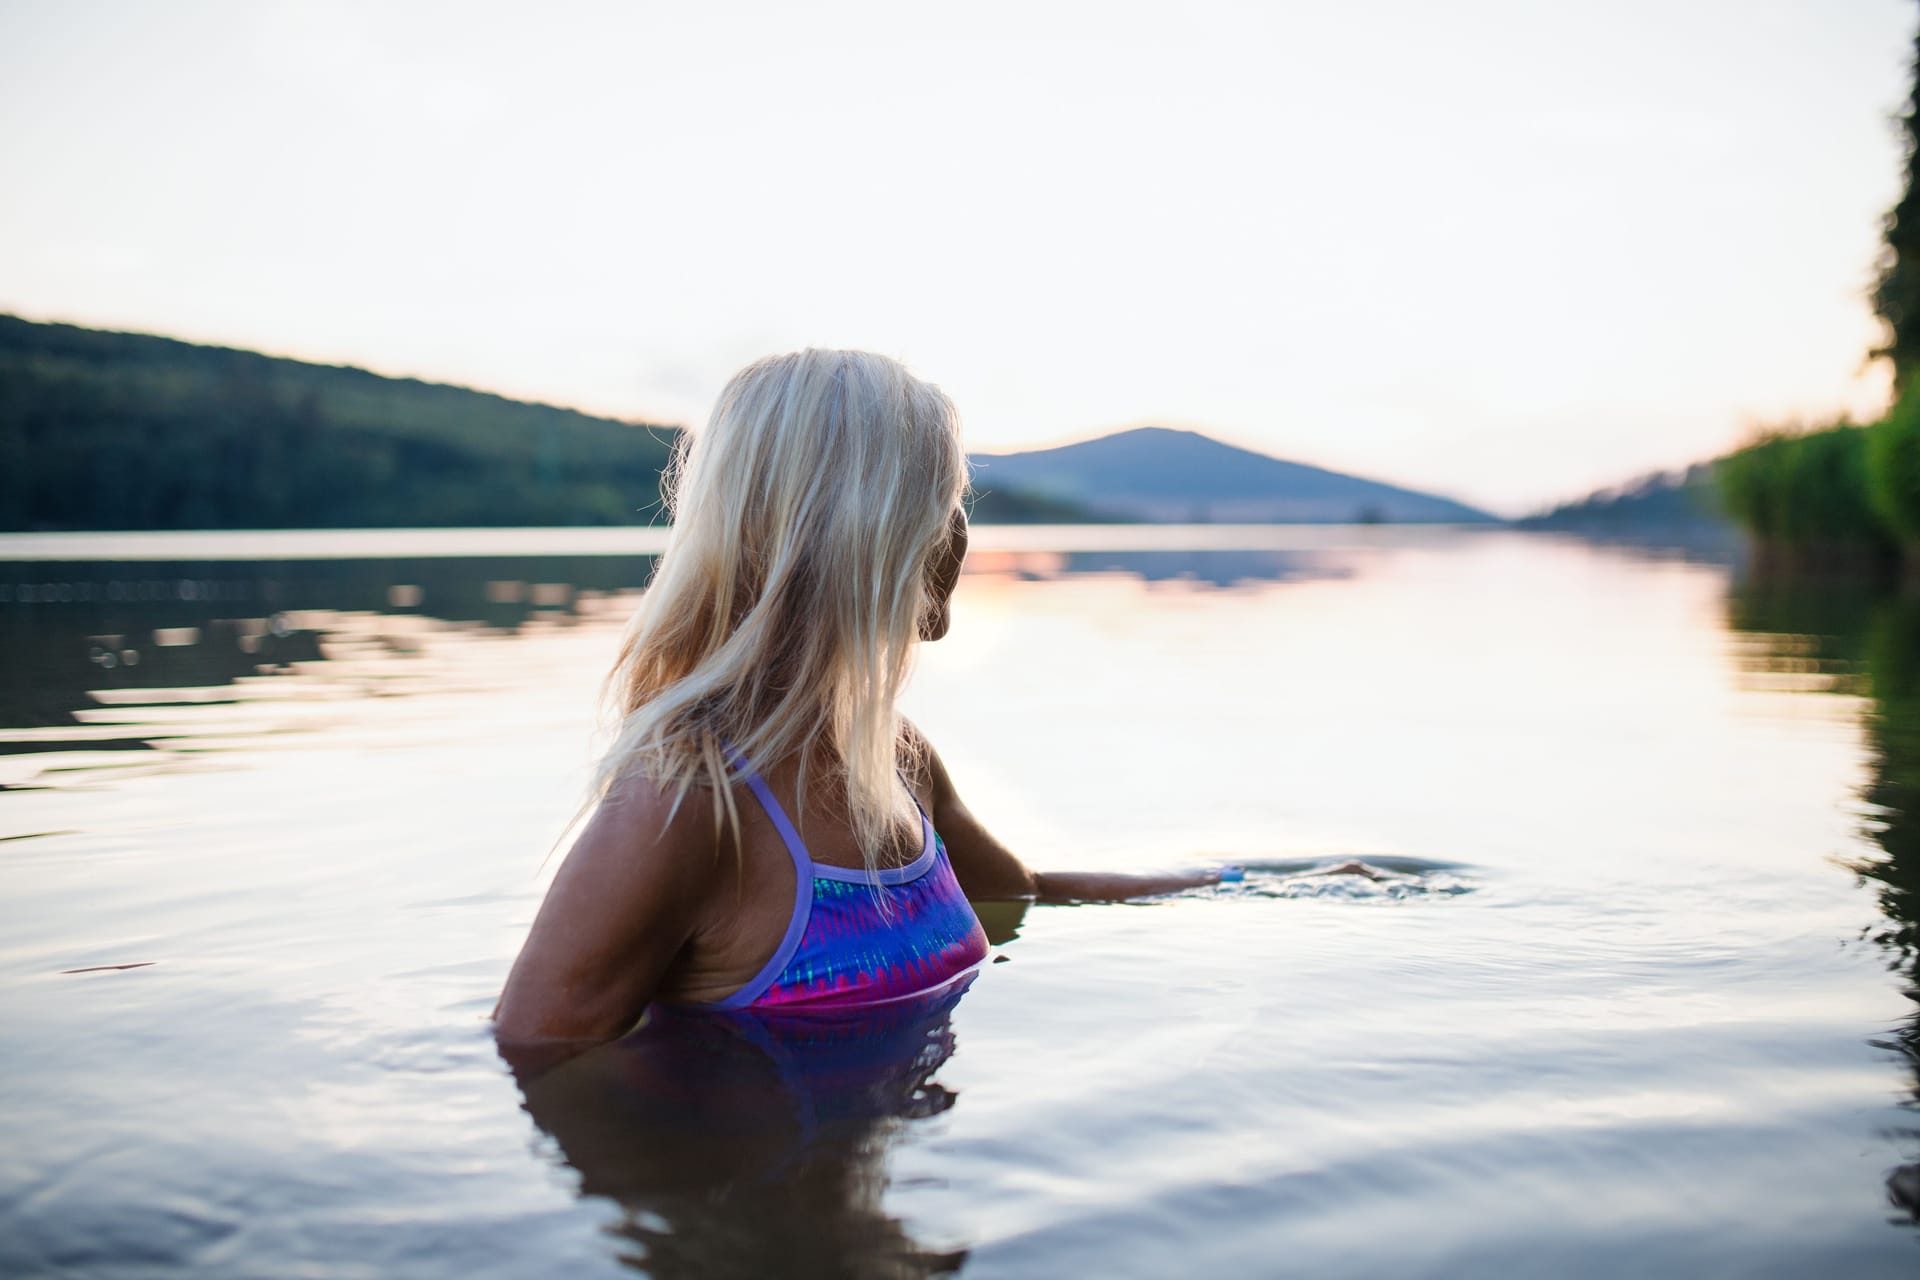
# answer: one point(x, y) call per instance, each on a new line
point(625, 900)
point(645, 827)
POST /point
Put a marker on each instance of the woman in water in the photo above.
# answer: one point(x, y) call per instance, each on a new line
point(770, 834)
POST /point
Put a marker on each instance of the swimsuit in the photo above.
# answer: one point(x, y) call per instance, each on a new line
point(843, 947)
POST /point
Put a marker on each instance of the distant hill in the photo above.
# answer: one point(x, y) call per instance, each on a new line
point(1157, 474)
point(102, 430)
point(1667, 508)
point(1685, 496)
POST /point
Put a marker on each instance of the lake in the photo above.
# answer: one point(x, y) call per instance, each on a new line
point(1631, 997)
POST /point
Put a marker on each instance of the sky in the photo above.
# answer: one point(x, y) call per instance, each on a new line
point(1505, 250)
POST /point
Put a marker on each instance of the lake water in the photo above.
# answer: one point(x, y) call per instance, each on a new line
point(1630, 1001)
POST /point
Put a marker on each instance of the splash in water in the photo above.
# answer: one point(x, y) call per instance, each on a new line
point(1375, 877)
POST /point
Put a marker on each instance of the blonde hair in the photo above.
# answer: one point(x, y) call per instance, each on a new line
point(782, 617)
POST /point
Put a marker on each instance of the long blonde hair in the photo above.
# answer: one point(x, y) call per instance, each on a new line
point(782, 618)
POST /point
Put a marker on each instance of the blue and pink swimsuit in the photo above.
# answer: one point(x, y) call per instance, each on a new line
point(843, 948)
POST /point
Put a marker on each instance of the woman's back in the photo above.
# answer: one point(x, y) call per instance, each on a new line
point(829, 930)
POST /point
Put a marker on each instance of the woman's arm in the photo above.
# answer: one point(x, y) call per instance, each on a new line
point(989, 871)
point(622, 905)
point(1118, 886)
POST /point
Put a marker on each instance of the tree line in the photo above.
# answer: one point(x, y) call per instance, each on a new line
point(104, 430)
point(1845, 492)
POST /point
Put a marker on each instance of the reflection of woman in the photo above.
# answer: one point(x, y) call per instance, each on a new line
point(771, 835)
point(751, 1144)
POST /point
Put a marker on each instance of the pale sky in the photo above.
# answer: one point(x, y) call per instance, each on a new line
point(1504, 250)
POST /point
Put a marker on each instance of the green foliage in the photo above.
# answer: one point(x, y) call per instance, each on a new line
point(1821, 491)
point(1893, 470)
point(1806, 492)
point(1896, 294)
point(126, 431)
point(1745, 482)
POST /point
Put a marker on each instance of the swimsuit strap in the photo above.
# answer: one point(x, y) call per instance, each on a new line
point(803, 863)
point(789, 835)
point(922, 862)
point(802, 887)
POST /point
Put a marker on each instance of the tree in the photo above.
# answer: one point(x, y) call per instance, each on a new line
point(1896, 293)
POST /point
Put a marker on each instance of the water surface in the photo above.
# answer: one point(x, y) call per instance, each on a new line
point(1627, 999)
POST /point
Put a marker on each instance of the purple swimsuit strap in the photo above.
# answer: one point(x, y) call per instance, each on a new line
point(802, 889)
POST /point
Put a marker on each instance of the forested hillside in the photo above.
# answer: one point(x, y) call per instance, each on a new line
point(1682, 497)
point(106, 430)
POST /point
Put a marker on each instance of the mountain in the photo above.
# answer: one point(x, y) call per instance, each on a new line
point(1158, 474)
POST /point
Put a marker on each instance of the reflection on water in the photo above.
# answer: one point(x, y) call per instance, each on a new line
point(93, 654)
point(742, 1145)
point(1853, 636)
point(1216, 568)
